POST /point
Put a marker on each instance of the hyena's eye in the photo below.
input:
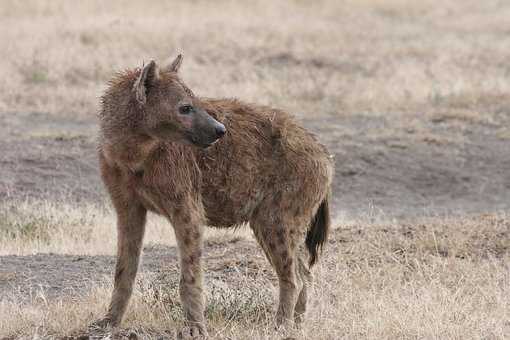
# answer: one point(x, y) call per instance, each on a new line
point(185, 109)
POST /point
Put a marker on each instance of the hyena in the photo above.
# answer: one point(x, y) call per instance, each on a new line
point(216, 162)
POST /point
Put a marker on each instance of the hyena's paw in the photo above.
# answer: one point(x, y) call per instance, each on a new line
point(287, 329)
point(299, 319)
point(192, 333)
point(103, 324)
point(284, 324)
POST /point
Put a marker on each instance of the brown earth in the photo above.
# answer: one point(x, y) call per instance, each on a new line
point(402, 165)
point(54, 275)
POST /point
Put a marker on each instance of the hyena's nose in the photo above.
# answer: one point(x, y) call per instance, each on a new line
point(220, 130)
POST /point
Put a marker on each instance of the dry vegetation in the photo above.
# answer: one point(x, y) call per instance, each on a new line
point(331, 56)
point(435, 278)
point(430, 279)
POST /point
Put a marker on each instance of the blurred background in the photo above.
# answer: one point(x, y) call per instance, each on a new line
point(411, 97)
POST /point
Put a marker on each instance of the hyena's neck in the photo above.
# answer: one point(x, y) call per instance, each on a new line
point(130, 153)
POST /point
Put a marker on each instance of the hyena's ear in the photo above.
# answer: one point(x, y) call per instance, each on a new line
point(175, 65)
point(149, 74)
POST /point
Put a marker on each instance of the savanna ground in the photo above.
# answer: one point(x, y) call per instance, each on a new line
point(413, 98)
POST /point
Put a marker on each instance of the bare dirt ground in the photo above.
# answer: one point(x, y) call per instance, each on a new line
point(448, 164)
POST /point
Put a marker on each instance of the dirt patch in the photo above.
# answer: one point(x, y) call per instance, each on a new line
point(48, 158)
point(53, 275)
point(416, 167)
point(401, 165)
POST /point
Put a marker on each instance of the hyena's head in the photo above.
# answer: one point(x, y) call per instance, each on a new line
point(165, 108)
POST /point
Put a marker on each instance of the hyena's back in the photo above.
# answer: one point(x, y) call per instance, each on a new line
point(265, 158)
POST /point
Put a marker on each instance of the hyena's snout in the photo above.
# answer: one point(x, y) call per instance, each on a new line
point(207, 130)
point(220, 130)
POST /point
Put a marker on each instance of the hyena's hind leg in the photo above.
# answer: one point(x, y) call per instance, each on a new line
point(305, 276)
point(279, 240)
point(316, 237)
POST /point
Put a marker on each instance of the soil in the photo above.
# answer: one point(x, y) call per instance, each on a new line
point(54, 275)
point(400, 165)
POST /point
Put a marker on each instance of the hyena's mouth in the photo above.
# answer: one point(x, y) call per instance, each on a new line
point(206, 145)
point(211, 144)
point(200, 143)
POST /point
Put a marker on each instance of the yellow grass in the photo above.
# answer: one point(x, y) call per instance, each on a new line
point(325, 57)
point(32, 227)
point(429, 279)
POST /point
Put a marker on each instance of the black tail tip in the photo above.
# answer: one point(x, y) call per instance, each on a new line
point(318, 233)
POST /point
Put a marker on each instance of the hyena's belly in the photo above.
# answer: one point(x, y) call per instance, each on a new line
point(228, 207)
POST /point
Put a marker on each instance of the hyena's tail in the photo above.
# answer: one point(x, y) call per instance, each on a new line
point(318, 232)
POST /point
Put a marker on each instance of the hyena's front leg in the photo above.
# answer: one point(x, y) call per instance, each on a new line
point(130, 229)
point(189, 241)
point(131, 217)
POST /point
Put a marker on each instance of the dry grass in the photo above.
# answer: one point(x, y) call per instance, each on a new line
point(329, 57)
point(31, 227)
point(430, 279)
point(45, 227)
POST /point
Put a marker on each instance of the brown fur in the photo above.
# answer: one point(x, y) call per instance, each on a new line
point(267, 170)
